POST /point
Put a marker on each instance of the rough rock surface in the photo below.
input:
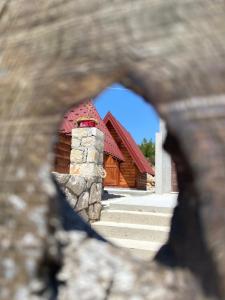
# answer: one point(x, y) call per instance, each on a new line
point(76, 184)
point(86, 157)
point(150, 182)
point(95, 192)
point(70, 197)
point(83, 194)
point(56, 53)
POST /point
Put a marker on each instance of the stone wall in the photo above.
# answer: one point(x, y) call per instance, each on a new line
point(150, 182)
point(83, 194)
point(86, 158)
point(83, 186)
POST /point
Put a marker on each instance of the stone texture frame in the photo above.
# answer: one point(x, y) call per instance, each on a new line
point(172, 53)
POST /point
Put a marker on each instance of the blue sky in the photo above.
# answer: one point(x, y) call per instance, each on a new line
point(138, 117)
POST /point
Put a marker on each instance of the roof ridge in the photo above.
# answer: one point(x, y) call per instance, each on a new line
point(141, 161)
point(75, 112)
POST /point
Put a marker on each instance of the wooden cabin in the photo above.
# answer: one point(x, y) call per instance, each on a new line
point(132, 171)
point(124, 162)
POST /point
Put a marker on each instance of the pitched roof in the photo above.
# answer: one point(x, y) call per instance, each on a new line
point(140, 160)
point(82, 110)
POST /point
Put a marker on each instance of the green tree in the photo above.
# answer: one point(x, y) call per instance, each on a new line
point(148, 149)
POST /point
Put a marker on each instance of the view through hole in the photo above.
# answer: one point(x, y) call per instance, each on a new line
point(111, 165)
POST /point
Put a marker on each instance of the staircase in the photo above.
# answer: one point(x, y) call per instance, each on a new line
point(141, 229)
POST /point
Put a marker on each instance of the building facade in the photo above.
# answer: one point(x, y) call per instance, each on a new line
point(124, 163)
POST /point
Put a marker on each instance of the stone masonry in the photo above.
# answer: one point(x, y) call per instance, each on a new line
point(86, 157)
point(83, 186)
point(83, 194)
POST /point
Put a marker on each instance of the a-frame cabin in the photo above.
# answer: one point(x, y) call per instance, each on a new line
point(132, 171)
point(124, 162)
point(63, 146)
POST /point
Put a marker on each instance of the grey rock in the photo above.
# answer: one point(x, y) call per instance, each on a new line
point(99, 145)
point(79, 133)
point(93, 131)
point(85, 154)
point(75, 143)
point(92, 155)
point(71, 198)
point(90, 181)
point(61, 178)
point(82, 201)
point(77, 155)
point(95, 193)
point(87, 170)
point(88, 141)
point(94, 211)
point(76, 184)
point(99, 180)
point(101, 158)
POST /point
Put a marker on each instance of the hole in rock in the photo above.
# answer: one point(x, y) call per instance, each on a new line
point(111, 165)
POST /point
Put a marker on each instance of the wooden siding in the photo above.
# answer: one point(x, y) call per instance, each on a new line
point(62, 154)
point(122, 174)
point(141, 180)
point(111, 166)
point(128, 169)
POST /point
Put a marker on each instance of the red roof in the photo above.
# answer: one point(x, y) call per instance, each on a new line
point(140, 160)
point(88, 109)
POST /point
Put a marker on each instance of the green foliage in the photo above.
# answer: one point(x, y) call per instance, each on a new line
point(148, 149)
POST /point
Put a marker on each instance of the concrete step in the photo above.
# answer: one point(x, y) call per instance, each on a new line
point(142, 208)
point(142, 249)
point(136, 217)
point(132, 231)
point(128, 192)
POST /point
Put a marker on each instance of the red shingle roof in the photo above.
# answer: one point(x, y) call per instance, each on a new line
point(82, 110)
point(140, 160)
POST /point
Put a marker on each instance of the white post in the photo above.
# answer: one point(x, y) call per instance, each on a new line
point(163, 166)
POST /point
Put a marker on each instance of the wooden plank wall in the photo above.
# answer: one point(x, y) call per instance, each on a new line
point(62, 154)
point(111, 166)
point(128, 169)
point(141, 180)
